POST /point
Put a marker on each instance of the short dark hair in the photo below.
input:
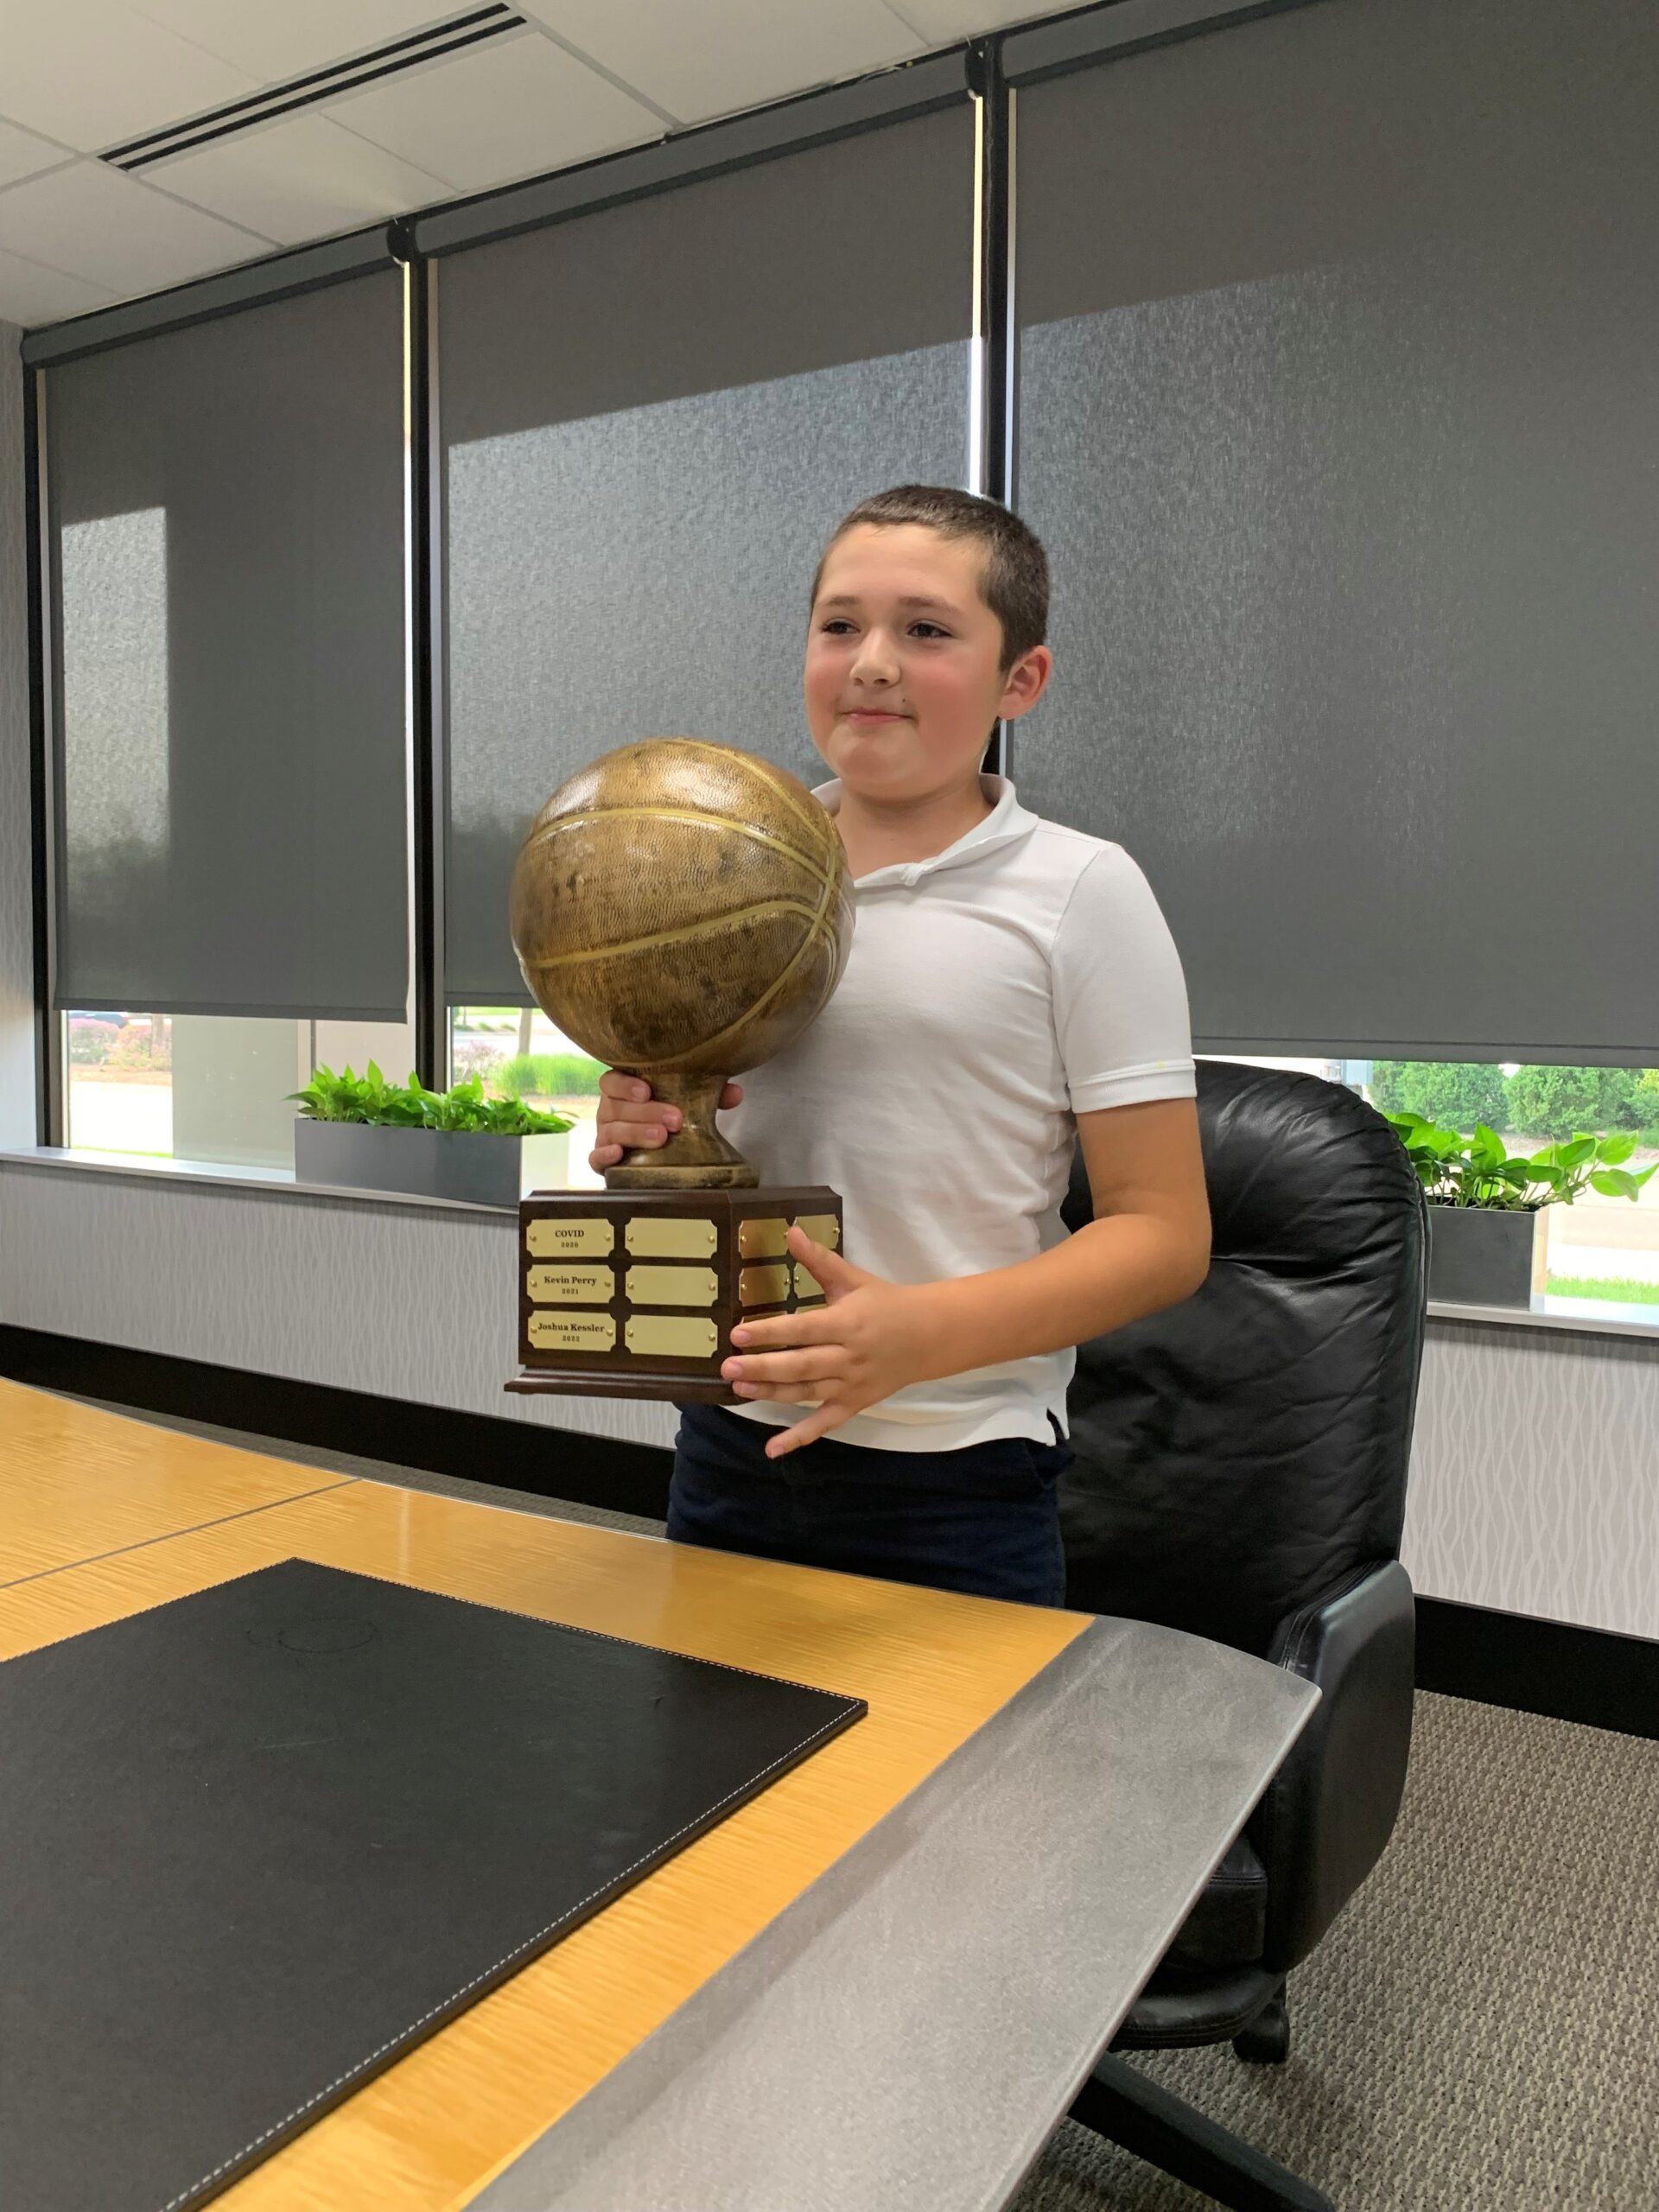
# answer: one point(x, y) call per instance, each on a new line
point(1016, 583)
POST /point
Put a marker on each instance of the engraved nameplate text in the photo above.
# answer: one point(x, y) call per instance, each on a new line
point(571, 1285)
point(572, 1332)
point(553, 1238)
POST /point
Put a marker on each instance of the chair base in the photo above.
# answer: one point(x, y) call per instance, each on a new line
point(1143, 2118)
point(1266, 2040)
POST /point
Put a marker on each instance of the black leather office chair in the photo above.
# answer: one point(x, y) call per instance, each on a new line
point(1240, 1473)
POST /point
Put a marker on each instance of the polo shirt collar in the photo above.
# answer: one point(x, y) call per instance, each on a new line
point(1006, 824)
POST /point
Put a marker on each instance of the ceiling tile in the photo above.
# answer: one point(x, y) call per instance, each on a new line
point(115, 231)
point(299, 179)
point(506, 109)
point(30, 294)
point(93, 74)
point(278, 39)
point(22, 154)
point(723, 55)
point(939, 21)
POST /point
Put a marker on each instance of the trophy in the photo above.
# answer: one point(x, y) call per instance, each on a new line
point(680, 910)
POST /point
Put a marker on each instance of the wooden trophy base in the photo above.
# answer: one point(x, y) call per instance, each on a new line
point(634, 1293)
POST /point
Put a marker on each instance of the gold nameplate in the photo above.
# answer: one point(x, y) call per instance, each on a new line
point(572, 1332)
point(763, 1286)
point(762, 1239)
point(671, 1286)
point(551, 1239)
point(669, 1237)
point(805, 1285)
point(822, 1228)
point(672, 1336)
point(571, 1286)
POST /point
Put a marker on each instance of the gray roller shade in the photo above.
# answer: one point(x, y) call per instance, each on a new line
point(226, 507)
point(653, 415)
point(1340, 415)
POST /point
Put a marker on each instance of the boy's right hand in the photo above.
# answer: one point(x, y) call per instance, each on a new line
point(630, 1118)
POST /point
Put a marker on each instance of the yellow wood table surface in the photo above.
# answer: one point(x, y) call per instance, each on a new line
point(434, 2128)
point(133, 1482)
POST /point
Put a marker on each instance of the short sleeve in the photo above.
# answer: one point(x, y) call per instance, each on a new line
point(1119, 998)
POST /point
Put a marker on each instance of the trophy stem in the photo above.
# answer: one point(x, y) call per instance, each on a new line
point(696, 1157)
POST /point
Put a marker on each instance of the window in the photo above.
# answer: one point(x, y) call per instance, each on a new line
point(518, 1054)
point(1600, 1248)
point(653, 416)
point(208, 1087)
point(1344, 559)
point(225, 503)
point(1337, 413)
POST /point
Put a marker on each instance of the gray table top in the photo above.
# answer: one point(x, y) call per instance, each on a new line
point(906, 2035)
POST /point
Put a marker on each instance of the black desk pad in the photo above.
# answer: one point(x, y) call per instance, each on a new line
point(258, 1842)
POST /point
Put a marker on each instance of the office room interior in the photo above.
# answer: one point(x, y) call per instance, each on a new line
point(461, 1745)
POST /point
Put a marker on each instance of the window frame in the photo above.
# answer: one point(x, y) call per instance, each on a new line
point(967, 73)
point(986, 71)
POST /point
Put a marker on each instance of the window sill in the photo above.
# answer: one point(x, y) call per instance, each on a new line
point(1595, 1317)
point(269, 1182)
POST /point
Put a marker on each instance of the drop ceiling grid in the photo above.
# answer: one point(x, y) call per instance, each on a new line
point(579, 79)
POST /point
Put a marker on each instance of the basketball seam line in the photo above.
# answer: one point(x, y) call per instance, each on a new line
point(768, 770)
point(775, 776)
point(805, 946)
point(686, 935)
point(816, 870)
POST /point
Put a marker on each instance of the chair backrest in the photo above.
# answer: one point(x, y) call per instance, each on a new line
point(1239, 1454)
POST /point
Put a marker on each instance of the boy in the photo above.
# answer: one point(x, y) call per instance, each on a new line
point(1011, 982)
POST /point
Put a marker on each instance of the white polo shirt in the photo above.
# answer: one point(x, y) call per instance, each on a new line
point(1019, 978)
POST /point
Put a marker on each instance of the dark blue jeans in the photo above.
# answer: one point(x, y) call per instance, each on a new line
point(984, 1519)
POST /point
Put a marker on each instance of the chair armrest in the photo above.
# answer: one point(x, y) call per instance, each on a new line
point(1327, 1814)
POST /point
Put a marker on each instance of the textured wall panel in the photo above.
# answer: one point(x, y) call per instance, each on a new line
point(399, 1300)
point(1535, 1484)
point(16, 978)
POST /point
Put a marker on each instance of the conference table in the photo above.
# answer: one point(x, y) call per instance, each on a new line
point(878, 1984)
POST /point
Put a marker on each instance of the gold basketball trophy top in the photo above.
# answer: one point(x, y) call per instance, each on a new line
point(681, 911)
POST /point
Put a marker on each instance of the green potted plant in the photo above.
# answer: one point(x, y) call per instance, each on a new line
point(359, 1132)
point(1487, 1207)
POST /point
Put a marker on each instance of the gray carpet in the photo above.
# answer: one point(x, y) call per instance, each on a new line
point(1479, 2032)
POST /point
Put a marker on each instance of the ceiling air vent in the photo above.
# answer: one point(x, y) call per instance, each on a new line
point(401, 53)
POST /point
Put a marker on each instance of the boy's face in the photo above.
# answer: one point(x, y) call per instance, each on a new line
point(903, 674)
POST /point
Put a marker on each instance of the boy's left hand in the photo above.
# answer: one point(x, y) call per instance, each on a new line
point(870, 1339)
